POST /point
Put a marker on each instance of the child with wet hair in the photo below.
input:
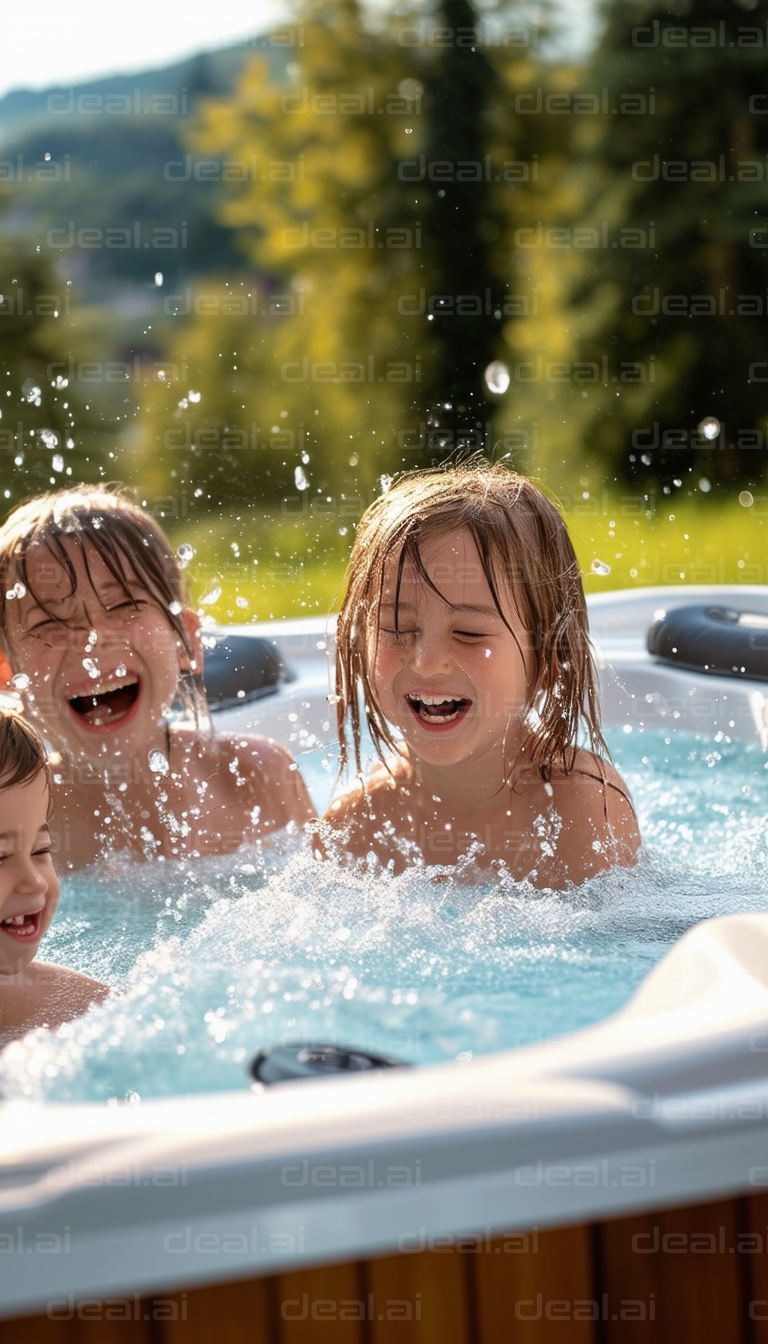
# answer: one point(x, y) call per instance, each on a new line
point(32, 993)
point(463, 644)
point(100, 642)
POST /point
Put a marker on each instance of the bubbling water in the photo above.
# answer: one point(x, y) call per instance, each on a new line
point(215, 959)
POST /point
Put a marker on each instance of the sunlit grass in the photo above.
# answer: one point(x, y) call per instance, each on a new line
point(275, 567)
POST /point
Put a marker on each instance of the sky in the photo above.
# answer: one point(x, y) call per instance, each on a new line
point(63, 44)
point(54, 43)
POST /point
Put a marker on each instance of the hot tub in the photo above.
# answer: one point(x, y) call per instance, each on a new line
point(606, 1185)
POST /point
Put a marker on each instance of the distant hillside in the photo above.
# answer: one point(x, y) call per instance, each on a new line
point(95, 174)
point(208, 73)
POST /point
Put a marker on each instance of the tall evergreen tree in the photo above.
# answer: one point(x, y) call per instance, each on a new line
point(676, 311)
point(462, 222)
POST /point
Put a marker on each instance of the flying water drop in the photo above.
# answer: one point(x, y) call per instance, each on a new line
point(158, 762)
point(213, 595)
point(497, 377)
point(600, 567)
point(709, 427)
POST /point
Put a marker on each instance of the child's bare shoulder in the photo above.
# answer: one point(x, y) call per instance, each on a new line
point(245, 770)
point(268, 775)
point(593, 793)
point(592, 775)
point(46, 996)
point(362, 807)
point(67, 987)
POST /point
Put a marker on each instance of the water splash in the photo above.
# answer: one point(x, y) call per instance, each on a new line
point(218, 957)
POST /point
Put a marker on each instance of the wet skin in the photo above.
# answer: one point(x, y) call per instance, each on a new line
point(101, 669)
point(31, 993)
point(453, 678)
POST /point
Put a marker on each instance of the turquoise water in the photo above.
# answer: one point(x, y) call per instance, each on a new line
point(215, 959)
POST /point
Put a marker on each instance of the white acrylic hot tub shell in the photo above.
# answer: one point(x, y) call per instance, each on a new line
point(664, 1103)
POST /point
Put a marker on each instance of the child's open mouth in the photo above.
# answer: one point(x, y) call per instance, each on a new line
point(438, 710)
point(107, 708)
point(24, 927)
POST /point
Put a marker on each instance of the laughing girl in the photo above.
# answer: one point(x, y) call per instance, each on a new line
point(464, 636)
point(96, 631)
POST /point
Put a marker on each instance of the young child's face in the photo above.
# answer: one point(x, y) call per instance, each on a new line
point(454, 680)
point(29, 888)
point(104, 674)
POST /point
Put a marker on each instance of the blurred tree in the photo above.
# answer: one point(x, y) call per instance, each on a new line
point(378, 188)
point(50, 432)
point(673, 301)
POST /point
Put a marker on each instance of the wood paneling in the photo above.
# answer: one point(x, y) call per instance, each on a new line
point(419, 1298)
point(534, 1288)
point(672, 1277)
point(754, 1248)
point(225, 1313)
point(101, 1329)
point(322, 1306)
point(694, 1275)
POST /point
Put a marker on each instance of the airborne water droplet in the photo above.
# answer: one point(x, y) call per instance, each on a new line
point(213, 595)
point(497, 377)
point(300, 479)
point(158, 763)
point(185, 553)
point(709, 427)
point(20, 681)
point(600, 567)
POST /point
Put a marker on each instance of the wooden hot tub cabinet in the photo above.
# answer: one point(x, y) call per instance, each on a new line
point(697, 1274)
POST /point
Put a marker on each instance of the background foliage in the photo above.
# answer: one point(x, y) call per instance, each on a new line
point(367, 214)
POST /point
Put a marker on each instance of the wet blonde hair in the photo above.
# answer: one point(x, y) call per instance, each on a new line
point(525, 550)
point(127, 539)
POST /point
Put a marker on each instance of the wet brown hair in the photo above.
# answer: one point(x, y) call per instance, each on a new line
point(524, 548)
point(126, 538)
point(22, 753)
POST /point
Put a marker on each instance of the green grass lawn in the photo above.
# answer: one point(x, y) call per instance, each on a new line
point(274, 567)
